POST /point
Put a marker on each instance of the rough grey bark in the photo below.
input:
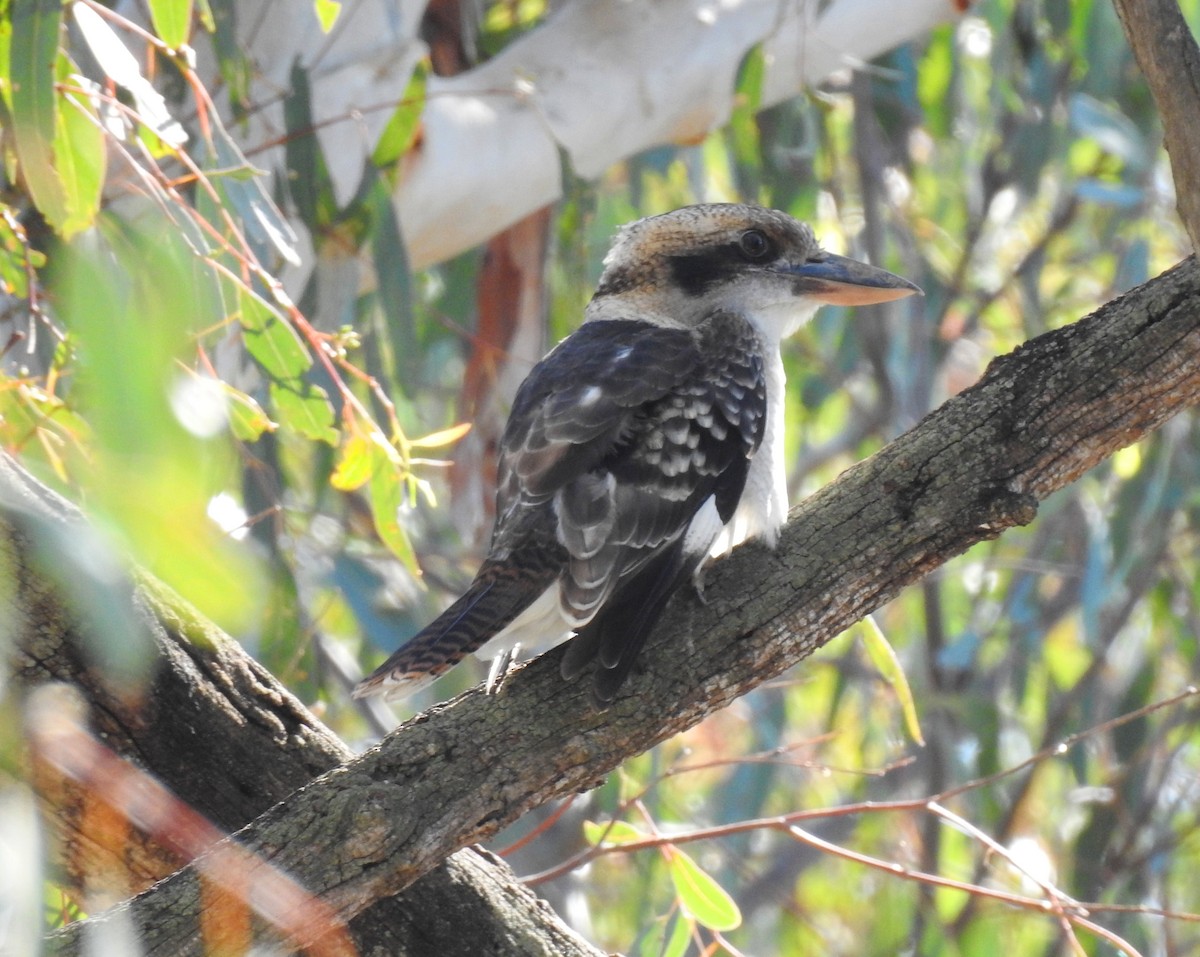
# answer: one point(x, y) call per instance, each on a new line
point(218, 730)
point(1038, 419)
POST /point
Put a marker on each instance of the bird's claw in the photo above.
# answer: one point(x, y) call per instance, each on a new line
point(500, 667)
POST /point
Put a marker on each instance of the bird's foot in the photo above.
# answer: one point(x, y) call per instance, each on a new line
point(500, 667)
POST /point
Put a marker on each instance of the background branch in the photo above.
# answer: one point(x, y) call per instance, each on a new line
point(1169, 58)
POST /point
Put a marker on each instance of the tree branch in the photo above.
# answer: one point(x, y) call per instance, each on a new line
point(216, 728)
point(1038, 419)
point(1169, 58)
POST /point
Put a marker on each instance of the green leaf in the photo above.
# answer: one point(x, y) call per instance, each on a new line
point(612, 832)
point(172, 21)
point(669, 936)
point(82, 159)
point(271, 339)
point(401, 130)
point(387, 494)
point(16, 258)
point(700, 896)
point(883, 656)
point(681, 936)
point(304, 409)
point(207, 20)
point(327, 13)
point(36, 25)
point(247, 419)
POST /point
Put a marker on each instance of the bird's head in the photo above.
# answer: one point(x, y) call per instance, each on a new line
point(681, 266)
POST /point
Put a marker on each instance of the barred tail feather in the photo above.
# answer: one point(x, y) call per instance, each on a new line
point(488, 606)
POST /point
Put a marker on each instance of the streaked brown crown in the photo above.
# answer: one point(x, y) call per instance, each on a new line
point(697, 248)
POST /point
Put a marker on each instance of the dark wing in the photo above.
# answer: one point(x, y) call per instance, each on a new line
point(575, 406)
point(616, 443)
point(681, 466)
point(580, 400)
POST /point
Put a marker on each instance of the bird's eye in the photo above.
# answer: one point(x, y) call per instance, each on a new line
point(755, 245)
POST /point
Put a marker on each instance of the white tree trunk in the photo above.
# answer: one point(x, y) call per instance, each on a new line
point(601, 80)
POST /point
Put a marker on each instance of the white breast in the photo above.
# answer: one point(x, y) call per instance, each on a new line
point(762, 509)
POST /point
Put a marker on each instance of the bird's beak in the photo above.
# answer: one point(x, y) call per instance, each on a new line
point(847, 282)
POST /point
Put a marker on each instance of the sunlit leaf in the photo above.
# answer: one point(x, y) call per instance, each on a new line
point(16, 258)
point(36, 25)
point(668, 936)
point(122, 68)
point(612, 832)
point(205, 13)
point(701, 897)
point(681, 937)
point(327, 13)
point(82, 160)
point(247, 419)
point(355, 464)
point(270, 339)
point(401, 129)
point(437, 440)
point(133, 296)
point(172, 21)
point(1067, 659)
point(387, 495)
point(883, 656)
point(304, 408)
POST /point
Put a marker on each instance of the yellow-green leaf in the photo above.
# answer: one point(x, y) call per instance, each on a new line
point(304, 408)
point(883, 656)
point(612, 832)
point(247, 419)
point(172, 21)
point(327, 13)
point(34, 50)
point(271, 339)
point(81, 157)
point(354, 467)
point(700, 896)
point(401, 130)
point(436, 440)
point(387, 494)
point(681, 936)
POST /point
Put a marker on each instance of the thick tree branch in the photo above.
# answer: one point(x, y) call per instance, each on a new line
point(1038, 419)
point(1170, 59)
point(218, 730)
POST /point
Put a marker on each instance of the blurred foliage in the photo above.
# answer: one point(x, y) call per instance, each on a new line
point(258, 448)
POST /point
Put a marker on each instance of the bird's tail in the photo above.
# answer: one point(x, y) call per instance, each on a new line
point(617, 633)
point(488, 606)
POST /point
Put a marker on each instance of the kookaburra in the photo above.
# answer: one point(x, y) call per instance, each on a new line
point(645, 441)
